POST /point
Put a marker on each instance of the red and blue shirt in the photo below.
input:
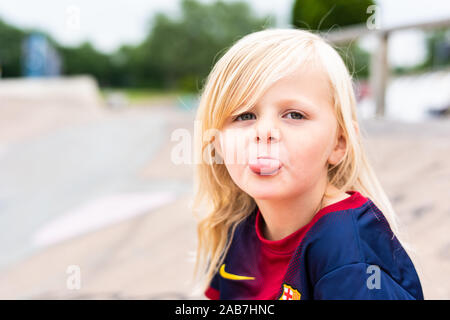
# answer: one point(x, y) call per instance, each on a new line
point(347, 251)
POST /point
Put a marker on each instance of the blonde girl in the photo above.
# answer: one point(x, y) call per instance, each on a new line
point(293, 208)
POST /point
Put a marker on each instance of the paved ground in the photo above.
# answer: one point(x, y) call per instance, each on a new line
point(116, 153)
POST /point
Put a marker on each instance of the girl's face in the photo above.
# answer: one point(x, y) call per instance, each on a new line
point(282, 146)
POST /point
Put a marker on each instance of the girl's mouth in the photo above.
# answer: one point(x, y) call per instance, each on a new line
point(265, 166)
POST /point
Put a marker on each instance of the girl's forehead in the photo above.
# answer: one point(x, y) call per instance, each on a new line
point(308, 87)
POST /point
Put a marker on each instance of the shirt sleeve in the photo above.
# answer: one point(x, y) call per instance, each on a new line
point(213, 291)
point(359, 281)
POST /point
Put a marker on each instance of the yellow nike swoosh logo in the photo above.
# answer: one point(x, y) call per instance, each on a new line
point(231, 276)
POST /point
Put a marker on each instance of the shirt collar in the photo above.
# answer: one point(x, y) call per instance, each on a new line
point(288, 244)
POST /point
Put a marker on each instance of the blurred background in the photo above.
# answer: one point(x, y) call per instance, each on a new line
point(92, 205)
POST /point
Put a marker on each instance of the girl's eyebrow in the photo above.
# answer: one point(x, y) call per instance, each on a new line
point(294, 101)
point(283, 101)
point(242, 109)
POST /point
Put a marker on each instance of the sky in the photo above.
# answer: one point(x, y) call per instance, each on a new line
point(109, 24)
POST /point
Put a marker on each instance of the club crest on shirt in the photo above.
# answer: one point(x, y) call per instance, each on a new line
point(290, 293)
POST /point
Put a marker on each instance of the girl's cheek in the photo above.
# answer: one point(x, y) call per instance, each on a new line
point(235, 146)
point(304, 149)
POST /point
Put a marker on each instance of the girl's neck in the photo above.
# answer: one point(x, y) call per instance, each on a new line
point(283, 217)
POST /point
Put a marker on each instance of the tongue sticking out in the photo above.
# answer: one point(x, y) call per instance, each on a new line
point(264, 166)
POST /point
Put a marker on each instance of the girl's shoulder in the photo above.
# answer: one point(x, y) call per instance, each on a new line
point(351, 236)
point(359, 236)
point(335, 239)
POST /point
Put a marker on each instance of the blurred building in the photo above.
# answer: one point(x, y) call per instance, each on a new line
point(40, 58)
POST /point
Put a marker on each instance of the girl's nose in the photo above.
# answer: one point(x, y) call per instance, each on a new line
point(266, 131)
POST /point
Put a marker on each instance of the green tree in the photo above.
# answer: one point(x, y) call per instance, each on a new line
point(85, 59)
point(328, 14)
point(182, 51)
point(177, 53)
point(11, 39)
point(12, 46)
point(356, 59)
point(438, 48)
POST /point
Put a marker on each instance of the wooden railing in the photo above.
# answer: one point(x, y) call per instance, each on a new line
point(379, 70)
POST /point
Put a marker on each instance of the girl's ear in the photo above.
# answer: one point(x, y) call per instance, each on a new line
point(338, 151)
point(341, 144)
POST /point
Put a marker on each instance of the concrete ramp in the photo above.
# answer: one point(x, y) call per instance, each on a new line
point(79, 91)
point(29, 106)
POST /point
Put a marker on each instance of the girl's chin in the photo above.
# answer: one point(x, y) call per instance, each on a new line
point(266, 193)
point(266, 196)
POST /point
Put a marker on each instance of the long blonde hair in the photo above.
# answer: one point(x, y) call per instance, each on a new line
point(240, 78)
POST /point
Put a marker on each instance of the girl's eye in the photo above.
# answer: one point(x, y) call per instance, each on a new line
point(250, 116)
point(244, 116)
point(295, 115)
